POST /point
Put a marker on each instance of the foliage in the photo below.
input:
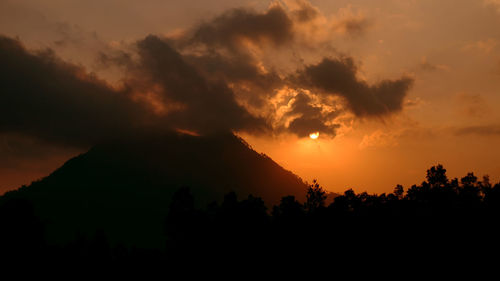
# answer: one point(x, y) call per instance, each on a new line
point(447, 214)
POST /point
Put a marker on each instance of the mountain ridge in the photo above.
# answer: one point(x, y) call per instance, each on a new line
point(126, 184)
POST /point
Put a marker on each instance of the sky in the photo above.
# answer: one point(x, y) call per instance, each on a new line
point(392, 86)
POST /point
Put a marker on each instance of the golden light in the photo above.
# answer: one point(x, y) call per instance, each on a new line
point(314, 135)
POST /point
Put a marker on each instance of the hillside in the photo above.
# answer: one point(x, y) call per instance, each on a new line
point(123, 187)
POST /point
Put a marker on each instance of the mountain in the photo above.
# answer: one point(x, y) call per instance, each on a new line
point(123, 187)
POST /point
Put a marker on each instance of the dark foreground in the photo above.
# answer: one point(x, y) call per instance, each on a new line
point(438, 220)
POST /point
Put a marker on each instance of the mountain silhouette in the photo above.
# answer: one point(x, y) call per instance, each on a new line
point(123, 187)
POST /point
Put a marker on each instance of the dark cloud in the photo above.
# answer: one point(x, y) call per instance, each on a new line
point(206, 80)
point(241, 72)
point(209, 105)
point(481, 130)
point(311, 118)
point(43, 96)
point(219, 49)
point(225, 55)
point(338, 77)
point(228, 29)
point(303, 126)
point(235, 69)
point(302, 104)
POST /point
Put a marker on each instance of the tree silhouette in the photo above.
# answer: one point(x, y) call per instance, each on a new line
point(399, 191)
point(436, 176)
point(315, 197)
point(440, 215)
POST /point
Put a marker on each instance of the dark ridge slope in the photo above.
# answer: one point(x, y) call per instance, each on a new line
point(124, 187)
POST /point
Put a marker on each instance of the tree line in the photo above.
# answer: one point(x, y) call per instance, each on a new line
point(439, 216)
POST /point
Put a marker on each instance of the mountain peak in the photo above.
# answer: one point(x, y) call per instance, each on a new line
point(134, 178)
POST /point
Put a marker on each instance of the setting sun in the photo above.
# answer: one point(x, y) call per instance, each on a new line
point(314, 135)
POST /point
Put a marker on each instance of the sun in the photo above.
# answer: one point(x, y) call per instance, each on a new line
point(314, 135)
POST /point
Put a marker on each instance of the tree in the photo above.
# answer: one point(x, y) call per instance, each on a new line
point(315, 198)
point(436, 176)
point(289, 209)
point(469, 180)
point(182, 217)
point(399, 191)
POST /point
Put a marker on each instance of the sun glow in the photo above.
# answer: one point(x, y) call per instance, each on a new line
point(314, 135)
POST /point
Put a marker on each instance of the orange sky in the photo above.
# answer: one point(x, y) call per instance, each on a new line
point(450, 48)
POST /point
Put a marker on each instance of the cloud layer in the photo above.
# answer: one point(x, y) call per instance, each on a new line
point(42, 96)
point(338, 77)
point(220, 75)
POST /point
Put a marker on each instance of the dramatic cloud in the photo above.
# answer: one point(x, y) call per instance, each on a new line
point(205, 106)
point(229, 29)
point(338, 77)
point(242, 49)
point(311, 117)
point(242, 73)
point(220, 75)
point(45, 97)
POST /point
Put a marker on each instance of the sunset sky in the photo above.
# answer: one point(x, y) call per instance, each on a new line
point(392, 86)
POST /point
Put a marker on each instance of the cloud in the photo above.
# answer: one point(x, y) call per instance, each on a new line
point(230, 28)
point(45, 97)
point(379, 139)
point(310, 117)
point(337, 76)
point(414, 103)
point(354, 26)
point(404, 131)
point(219, 75)
point(351, 23)
point(230, 48)
point(207, 106)
point(244, 74)
point(478, 130)
point(303, 11)
point(241, 48)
